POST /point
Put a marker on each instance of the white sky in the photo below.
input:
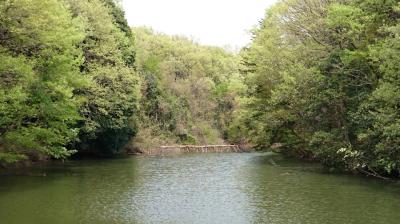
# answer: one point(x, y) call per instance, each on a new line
point(211, 22)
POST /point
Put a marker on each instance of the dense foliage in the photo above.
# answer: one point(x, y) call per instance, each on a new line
point(188, 90)
point(71, 82)
point(323, 83)
point(320, 80)
point(112, 94)
point(66, 79)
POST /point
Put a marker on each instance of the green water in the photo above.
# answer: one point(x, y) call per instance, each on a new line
point(195, 188)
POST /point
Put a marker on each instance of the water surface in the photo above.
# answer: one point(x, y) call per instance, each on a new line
point(194, 188)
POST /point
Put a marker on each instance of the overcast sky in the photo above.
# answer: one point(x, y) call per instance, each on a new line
point(211, 22)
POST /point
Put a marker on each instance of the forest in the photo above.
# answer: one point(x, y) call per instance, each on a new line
point(320, 81)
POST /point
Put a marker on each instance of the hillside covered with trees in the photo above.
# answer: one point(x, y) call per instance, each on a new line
point(319, 81)
point(188, 90)
point(76, 79)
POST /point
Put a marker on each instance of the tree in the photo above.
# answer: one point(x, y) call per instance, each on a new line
point(318, 78)
point(38, 74)
point(112, 93)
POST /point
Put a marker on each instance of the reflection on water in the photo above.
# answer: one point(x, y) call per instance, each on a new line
point(195, 188)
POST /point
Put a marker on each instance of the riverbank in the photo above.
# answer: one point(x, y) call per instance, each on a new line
point(131, 151)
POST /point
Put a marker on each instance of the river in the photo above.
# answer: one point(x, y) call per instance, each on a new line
point(194, 188)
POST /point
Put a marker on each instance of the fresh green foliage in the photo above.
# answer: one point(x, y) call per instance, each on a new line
point(65, 78)
point(38, 73)
point(70, 83)
point(322, 83)
point(185, 95)
point(320, 80)
point(112, 94)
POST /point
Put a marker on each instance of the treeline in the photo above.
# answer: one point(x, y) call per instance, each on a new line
point(320, 80)
point(323, 81)
point(75, 79)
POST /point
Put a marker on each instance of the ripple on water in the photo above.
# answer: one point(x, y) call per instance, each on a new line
point(196, 188)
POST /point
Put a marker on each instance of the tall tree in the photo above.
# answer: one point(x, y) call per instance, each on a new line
point(112, 94)
point(318, 76)
point(38, 74)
